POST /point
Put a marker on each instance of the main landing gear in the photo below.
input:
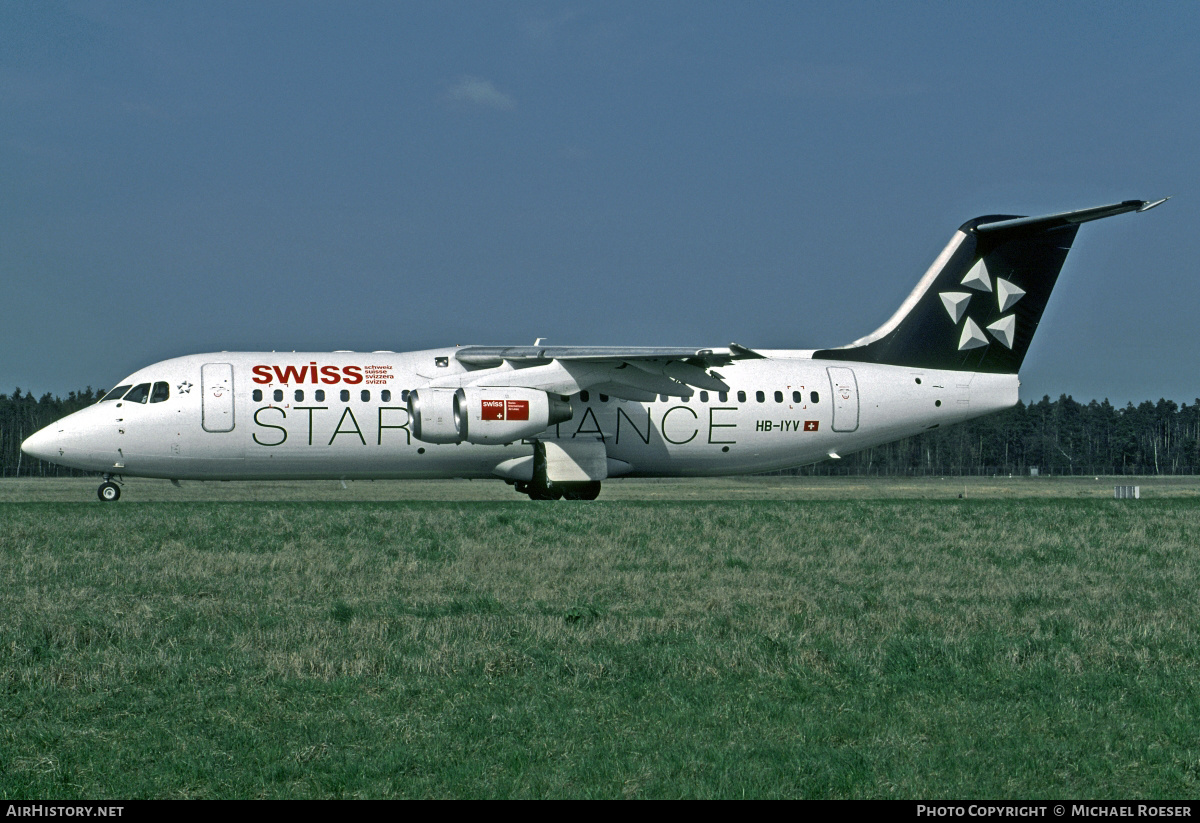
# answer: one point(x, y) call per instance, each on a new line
point(560, 491)
point(109, 492)
point(568, 459)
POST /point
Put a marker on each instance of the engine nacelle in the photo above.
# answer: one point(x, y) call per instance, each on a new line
point(505, 415)
point(433, 413)
point(483, 416)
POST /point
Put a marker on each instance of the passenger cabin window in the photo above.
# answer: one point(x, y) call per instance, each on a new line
point(741, 397)
point(257, 395)
point(584, 396)
point(345, 395)
point(320, 393)
point(386, 396)
point(760, 397)
point(161, 392)
point(278, 395)
point(663, 398)
point(778, 397)
point(604, 398)
point(796, 397)
point(117, 393)
point(723, 396)
point(366, 395)
point(139, 394)
point(816, 398)
point(404, 396)
point(299, 395)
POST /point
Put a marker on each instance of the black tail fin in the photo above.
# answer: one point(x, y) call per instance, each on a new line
point(977, 307)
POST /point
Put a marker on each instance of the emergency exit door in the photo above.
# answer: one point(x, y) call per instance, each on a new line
point(845, 398)
point(216, 384)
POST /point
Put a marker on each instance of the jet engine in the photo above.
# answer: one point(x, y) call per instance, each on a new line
point(432, 412)
point(483, 416)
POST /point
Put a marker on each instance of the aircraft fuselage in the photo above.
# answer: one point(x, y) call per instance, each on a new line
point(555, 421)
point(258, 416)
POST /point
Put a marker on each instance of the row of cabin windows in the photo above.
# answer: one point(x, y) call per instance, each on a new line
point(319, 395)
point(141, 393)
point(723, 397)
point(386, 395)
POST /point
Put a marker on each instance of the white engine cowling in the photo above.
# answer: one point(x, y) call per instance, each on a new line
point(432, 412)
point(505, 415)
point(483, 416)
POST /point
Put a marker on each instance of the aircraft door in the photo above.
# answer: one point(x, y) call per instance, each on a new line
point(216, 383)
point(845, 398)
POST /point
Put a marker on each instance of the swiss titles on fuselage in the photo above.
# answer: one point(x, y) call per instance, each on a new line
point(329, 375)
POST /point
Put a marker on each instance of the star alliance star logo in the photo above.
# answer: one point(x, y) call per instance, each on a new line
point(185, 387)
point(1007, 295)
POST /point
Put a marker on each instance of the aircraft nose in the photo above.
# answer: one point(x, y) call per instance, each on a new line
point(43, 444)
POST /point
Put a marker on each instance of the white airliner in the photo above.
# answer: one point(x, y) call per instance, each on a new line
point(556, 421)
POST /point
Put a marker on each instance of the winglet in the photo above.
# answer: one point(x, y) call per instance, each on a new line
point(1148, 206)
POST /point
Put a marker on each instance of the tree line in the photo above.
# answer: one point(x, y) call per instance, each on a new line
point(21, 414)
point(1056, 437)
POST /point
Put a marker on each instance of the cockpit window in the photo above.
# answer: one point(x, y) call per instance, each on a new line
point(117, 393)
point(138, 394)
point(161, 392)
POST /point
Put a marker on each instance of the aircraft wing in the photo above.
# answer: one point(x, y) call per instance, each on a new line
point(626, 372)
point(495, 355)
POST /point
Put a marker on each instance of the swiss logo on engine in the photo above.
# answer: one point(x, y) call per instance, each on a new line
point(493, 410)
point(504, 410)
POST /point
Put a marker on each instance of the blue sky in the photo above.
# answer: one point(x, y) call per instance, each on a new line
point(185, 177)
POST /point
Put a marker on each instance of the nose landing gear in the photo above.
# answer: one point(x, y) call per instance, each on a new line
point(109, 492)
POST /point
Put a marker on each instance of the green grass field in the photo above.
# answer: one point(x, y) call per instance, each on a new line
point(767, 637)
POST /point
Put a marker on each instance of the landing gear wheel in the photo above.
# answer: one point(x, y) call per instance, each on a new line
point(542, 493)
point(109, 492)
point(583, 491)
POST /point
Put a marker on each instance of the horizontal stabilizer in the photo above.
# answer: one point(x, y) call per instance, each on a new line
point(1068, 218)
